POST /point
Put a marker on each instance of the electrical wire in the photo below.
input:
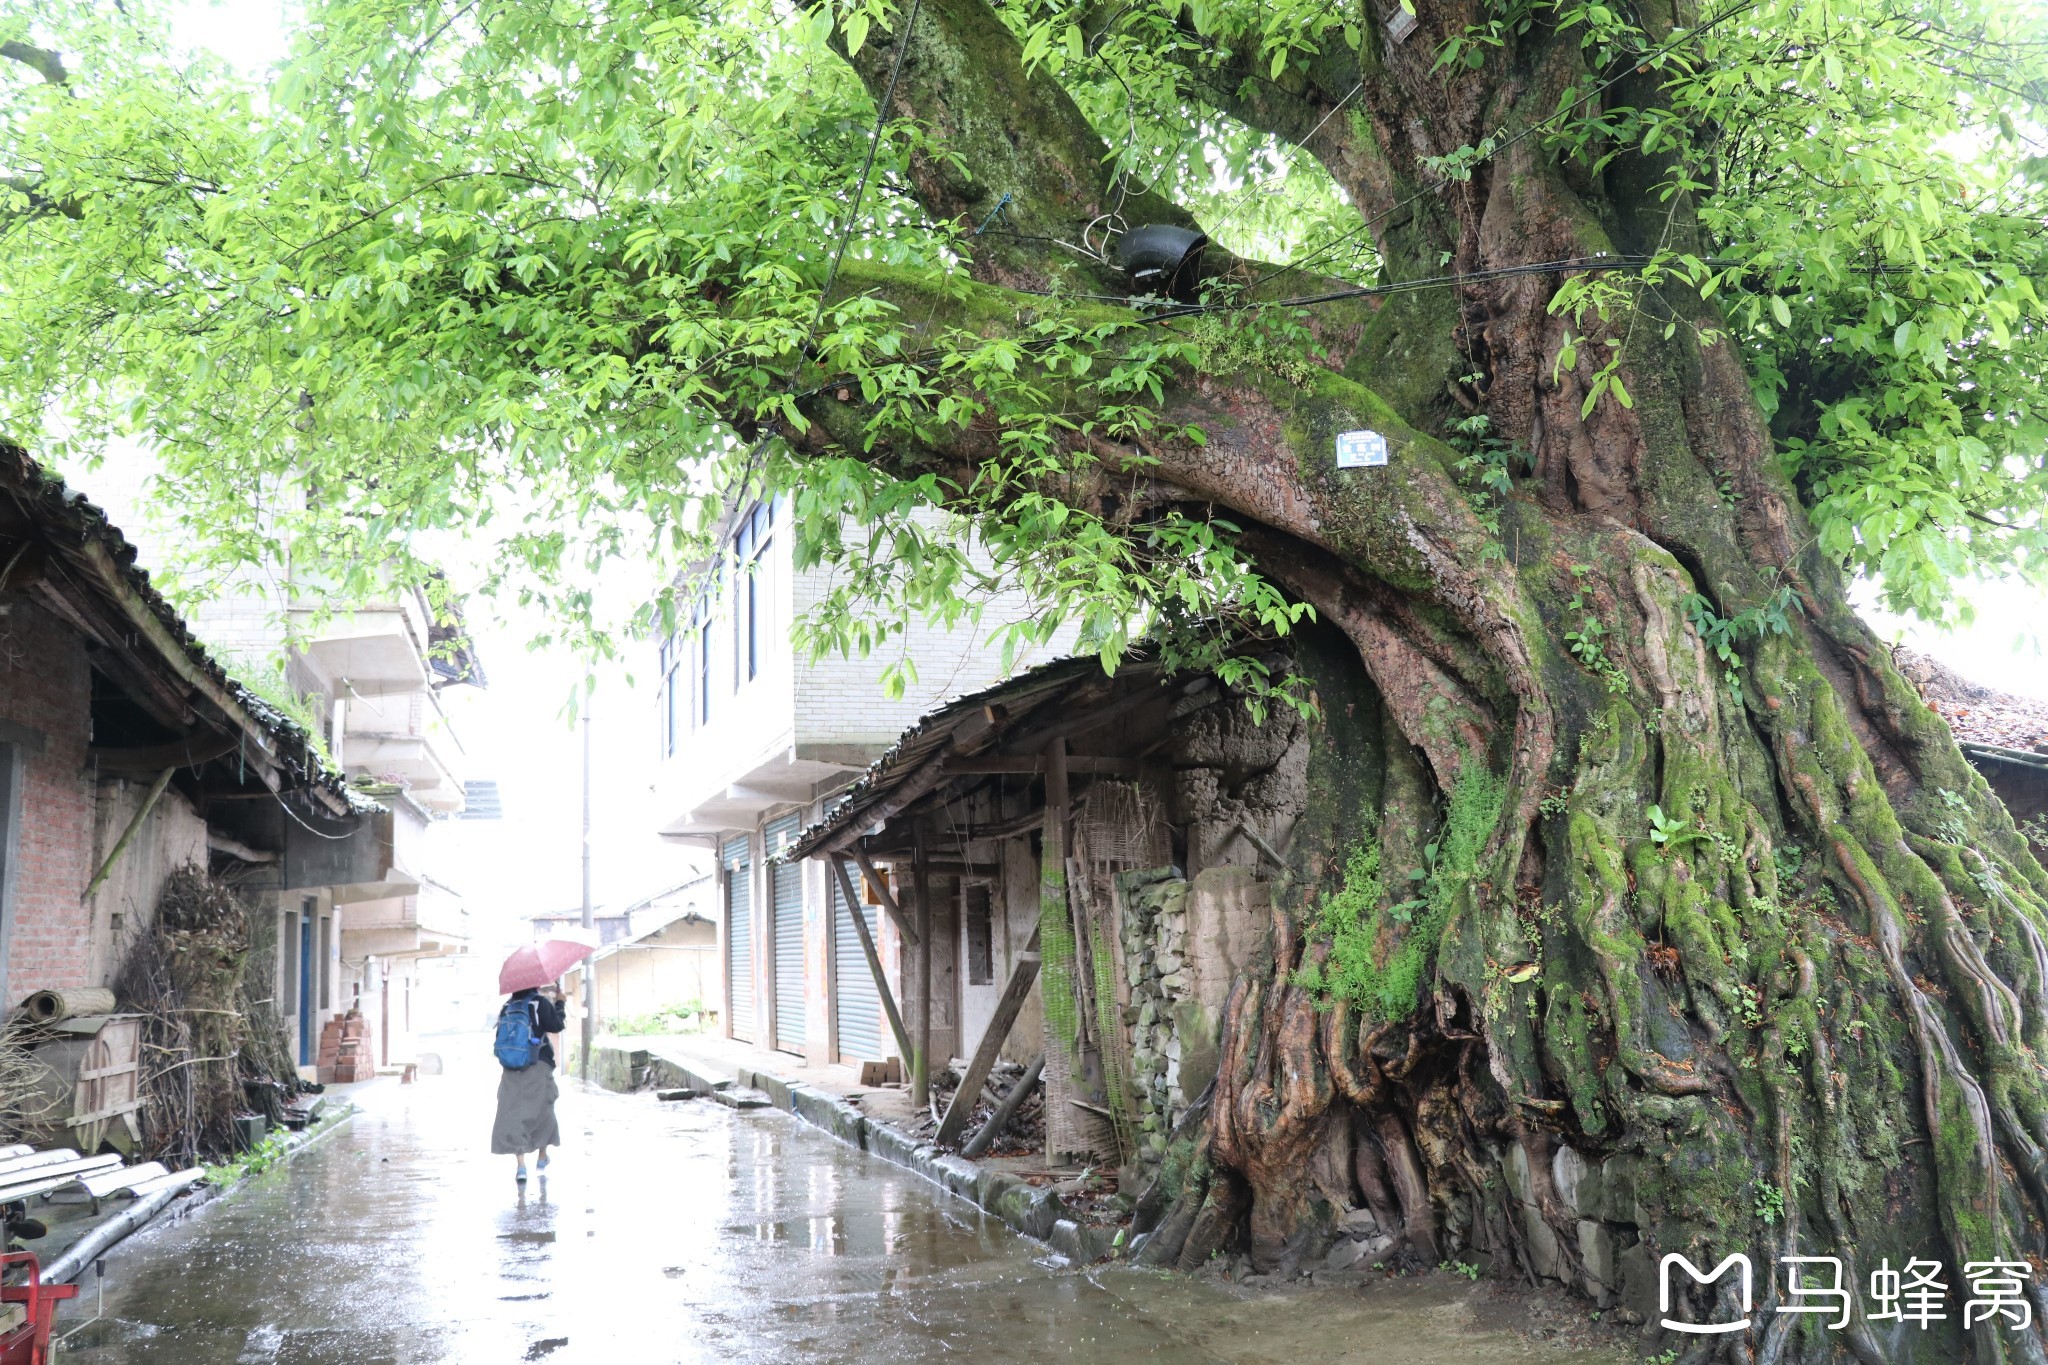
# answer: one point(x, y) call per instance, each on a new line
point(1637, 64)
point(1243, 196)
point(1366, 291)
point(286, 808)
point(867, 166)
point(1191, 310)
point(1428, 282)
point(1590, 263)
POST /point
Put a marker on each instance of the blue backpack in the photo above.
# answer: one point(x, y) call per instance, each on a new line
point(518, 1039)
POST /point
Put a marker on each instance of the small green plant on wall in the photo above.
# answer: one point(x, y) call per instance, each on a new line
point(1353, 921)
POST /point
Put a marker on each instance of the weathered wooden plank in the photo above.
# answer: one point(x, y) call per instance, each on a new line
point(1005, 1111)
point(156, 789)
point(921, 1060)
point(1015, 993)
point(884, 897)
point(867, 948)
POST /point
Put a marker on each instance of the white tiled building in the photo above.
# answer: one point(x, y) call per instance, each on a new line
point(374, 683)
point(351, 929)
point(755, 743)
point(376, 674)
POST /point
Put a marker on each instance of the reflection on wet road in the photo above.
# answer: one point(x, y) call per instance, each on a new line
point(677, 1233)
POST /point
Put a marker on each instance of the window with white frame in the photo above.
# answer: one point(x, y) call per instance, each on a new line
point(675, 684)
point(700, 648)
point(753, 597)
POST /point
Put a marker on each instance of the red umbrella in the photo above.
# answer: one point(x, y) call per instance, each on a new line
point(538, 964)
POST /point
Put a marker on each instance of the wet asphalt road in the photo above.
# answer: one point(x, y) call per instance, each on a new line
point(678, 1233)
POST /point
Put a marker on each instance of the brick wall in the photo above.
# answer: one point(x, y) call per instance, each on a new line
point(45, 686)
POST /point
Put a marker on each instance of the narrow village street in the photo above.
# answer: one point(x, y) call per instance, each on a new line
point(678, 1233)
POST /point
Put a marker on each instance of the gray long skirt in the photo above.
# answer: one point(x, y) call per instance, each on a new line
point(526, 1111)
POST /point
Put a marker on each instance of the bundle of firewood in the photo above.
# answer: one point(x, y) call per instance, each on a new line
point(206, 1062)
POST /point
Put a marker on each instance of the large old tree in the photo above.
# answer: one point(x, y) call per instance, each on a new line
point(1673, 319)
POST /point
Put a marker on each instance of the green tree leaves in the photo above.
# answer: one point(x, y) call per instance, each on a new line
point(544, 273)
point(1873, 232)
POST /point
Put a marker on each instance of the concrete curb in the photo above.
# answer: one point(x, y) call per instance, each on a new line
point(119, 1227)
point(1030, 1212)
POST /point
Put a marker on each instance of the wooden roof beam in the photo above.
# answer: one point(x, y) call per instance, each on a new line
point(1028, 765)
point(173, 652)
point(199, 747)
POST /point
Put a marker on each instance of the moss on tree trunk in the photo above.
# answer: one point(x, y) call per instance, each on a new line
point(1733, 951)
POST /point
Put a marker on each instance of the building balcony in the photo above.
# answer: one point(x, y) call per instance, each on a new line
point(375, 650)
point(390, 874)
point(367, 864)
point(429, 923)
point(786, 776)
point(414, 762)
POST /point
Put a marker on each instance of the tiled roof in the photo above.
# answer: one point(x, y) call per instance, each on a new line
point(74, 528)
point(936, 733)
point(1979, 715)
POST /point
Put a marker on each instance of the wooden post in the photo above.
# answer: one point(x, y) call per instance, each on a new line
point(883, 896)
point(1006, 1111)
point(985, 1053)
point(1053, 900)
point(920, 1068)
point(156, 789)
point(1057, 800)
point(867, 948)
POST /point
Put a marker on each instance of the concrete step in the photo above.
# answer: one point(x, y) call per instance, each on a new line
point(734, 1097)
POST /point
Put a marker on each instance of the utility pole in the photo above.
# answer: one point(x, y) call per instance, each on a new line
point(589, 913)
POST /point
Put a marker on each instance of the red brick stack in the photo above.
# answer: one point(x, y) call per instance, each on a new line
point(345, 1050)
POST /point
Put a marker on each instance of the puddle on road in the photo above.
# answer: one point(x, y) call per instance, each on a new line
point(1436, 1321)
point(684, 1234)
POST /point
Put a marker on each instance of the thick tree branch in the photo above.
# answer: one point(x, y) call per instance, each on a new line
point(38, 204)
point(49, 65)
point(1012, 141)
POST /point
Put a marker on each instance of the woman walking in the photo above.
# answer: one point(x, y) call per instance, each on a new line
point(528, 1026)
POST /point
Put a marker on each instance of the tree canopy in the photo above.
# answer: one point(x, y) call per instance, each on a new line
point(553, 274)
point(1664, 316)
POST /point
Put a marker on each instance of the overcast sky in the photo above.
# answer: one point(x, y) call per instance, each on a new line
point(515, 731)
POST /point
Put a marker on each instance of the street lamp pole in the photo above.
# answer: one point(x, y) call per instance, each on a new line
point(589, 914)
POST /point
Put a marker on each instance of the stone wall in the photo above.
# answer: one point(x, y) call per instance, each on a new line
point(1155, 933)
point(1188, 939)
point(1186, 944)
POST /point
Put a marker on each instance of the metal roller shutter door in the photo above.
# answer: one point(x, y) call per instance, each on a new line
point(739, 936)
point(788, 909)
point(856, 1007)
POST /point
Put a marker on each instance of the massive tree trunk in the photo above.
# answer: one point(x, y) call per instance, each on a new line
point(1800, 1010)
